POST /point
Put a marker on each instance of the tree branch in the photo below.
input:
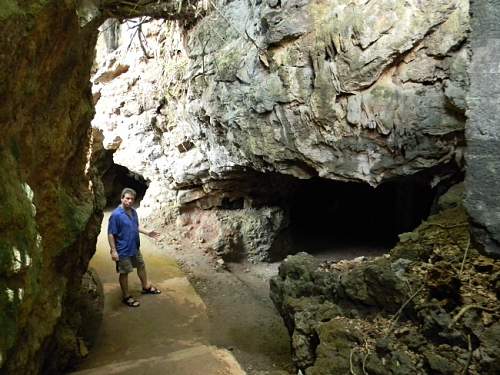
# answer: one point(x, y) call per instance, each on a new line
point(166, 9)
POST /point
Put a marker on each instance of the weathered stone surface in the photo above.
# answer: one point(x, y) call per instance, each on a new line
point(91, 302)
point(344, 90)
point(235, 234)
point(454, 197)
point(401, 314)
point(483, 101)
point(263, 109)
point(51, 197)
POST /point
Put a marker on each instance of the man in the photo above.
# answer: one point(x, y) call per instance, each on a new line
point(123, 237)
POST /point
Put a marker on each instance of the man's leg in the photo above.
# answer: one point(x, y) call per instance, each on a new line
point(124, 267)
point(138, 262)
point(147, 288)
point(123, 278)
point(143, 276)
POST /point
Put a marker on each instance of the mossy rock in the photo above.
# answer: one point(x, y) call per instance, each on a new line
point(440, 230)
point(338, 338)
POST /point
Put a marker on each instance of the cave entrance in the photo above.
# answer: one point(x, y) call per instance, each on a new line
point(118, 177)
point(336, 216)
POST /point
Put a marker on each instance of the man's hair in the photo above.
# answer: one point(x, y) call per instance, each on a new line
point(129, 191)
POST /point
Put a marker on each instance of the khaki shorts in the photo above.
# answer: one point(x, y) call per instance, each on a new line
point(127, 264)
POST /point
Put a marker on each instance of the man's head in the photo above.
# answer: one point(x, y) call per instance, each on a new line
point(128, 198)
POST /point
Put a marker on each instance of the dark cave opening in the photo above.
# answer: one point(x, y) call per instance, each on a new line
point(328, 215)
point(118, 177)
point(338, 219)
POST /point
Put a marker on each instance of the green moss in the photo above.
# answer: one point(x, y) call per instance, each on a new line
point(17, 230)
point(5, 257)
point(381, 92)
point(76, 214)
point(17, 215)
point(15, 150)
point(8, 319)
point(432, 234)
point(9, 8)
point(17, 223)
point(37, 6)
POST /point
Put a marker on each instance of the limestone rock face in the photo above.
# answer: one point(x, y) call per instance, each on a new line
point(482, 187)
point(340, 89)
point(256, 234)
point(92, 306)
point(345, 90)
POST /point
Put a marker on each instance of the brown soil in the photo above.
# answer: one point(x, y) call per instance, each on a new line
point(242, 318)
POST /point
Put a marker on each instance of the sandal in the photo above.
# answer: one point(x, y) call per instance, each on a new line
point(130, 302)
point(151, 290)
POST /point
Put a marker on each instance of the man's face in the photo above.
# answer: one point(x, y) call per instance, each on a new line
point(128, 201)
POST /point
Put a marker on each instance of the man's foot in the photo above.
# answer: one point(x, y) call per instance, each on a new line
point(151, 290)
point(130, 301)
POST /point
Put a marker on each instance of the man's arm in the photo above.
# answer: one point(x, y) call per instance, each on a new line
point(150, 233)
point(112, 246)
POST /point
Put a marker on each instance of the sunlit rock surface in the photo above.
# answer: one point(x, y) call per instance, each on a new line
point(344, 90)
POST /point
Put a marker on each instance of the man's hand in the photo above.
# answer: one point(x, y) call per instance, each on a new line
point(114, 255)
point(154, 234)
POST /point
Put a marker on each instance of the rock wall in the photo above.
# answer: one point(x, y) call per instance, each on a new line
point(340, 89)
point(483, 193)
point(344, 90)
point(50, 198)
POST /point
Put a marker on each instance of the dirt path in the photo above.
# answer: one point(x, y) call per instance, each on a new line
point(167, 334)
point(242, 318)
